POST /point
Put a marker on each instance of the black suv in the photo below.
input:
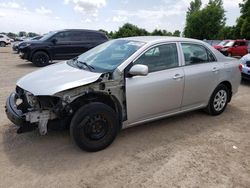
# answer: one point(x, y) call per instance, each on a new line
point(60, 45)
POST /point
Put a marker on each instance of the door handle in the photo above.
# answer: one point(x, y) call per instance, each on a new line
point(177, 77)
point(215, 69)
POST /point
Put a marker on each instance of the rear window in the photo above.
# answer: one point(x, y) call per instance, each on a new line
point(94, 36)
point(196, 54)
point(87, 36)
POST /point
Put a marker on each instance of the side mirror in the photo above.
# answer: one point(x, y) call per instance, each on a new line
point(138, 70)
point(54, 41)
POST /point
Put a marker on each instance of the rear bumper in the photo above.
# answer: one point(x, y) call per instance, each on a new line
point(15, 115)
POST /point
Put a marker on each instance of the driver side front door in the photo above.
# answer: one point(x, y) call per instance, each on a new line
point(160, 92)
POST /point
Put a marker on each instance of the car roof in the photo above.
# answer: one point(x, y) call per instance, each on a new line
point(86, 30)
point(153, 39)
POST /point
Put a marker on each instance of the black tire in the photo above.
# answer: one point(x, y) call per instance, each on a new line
point(2, 44)
point(222, 94)
point(94, 127)
point(40, 59)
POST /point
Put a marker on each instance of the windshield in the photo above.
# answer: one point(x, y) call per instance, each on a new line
point(223, 43)
point(108, 56)
point(47, 36)
point(229, 44)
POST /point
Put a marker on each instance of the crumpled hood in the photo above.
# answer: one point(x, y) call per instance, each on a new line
point(56, 78)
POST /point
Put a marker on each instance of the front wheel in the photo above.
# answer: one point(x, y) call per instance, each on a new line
point(40, 59)
point(218, 101)
point(94, 126)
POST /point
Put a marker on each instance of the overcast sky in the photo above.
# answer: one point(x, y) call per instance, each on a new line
point(47, 15)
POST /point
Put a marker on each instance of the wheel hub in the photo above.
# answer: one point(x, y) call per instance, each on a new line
point(96, 127)
point(220, 100)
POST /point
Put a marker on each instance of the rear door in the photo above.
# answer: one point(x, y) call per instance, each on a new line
point(80, 42)
point(160, 92)
point(62, 48)
point(83, 41)
point(201, 75)
point(242, 48)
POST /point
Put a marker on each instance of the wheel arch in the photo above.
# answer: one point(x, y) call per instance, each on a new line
point(229, 86)
point(40, 50)
point(104, 98)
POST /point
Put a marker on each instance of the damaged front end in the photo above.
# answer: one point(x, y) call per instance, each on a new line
point(29, 112)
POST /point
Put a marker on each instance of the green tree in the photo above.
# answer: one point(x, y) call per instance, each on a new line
point(177, 33)
point(194, 7)
point(11, 35)
point(22, 34)
point(205, 23)
point(128, 30)
point(243, 23)
point(192, 13)
point(31, 34)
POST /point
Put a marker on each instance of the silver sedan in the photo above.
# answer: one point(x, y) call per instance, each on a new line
point(122, 83)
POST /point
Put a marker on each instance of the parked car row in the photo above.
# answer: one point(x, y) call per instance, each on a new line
point(60, 45)
point(118, 84)
point(16, 45)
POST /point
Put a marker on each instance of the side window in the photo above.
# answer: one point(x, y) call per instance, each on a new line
point(63, 37)
point(211, 56)
point(160, 58)
point(78, 36)
point(92, 36)
point(243, 43)
point(1, 36)
point(194, 54)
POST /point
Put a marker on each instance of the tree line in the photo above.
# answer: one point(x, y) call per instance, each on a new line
point(129, 30)
point(202, 22)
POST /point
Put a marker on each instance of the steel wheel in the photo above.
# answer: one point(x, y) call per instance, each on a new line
point(96, 127)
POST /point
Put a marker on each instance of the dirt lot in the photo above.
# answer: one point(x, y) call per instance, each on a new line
point(190, 150)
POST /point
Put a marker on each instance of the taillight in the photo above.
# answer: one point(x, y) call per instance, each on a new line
point(240, 67)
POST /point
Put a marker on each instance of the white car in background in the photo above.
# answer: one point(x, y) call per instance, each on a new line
point(4, 40)
point(245, 63)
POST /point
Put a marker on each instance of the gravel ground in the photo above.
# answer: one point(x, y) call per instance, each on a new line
point(189, 150)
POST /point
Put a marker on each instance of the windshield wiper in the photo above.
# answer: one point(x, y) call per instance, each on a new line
point(82, 64)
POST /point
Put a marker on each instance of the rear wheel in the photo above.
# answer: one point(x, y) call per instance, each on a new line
point(218, 101)
point(94, 126)
point(40, 59)
point(2, 44)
